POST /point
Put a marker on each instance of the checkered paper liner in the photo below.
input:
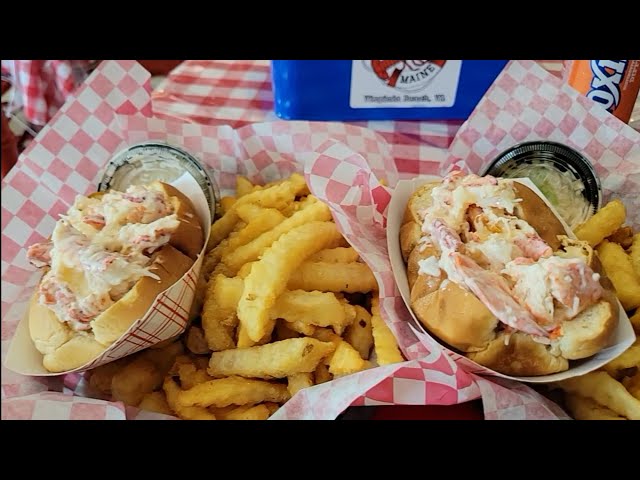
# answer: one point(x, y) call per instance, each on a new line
point(341, 174)
point(169, 314)
point(527, 103)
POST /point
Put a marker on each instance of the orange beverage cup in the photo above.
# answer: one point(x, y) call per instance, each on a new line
point(614, 84)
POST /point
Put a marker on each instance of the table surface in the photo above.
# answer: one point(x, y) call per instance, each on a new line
point(238, 92)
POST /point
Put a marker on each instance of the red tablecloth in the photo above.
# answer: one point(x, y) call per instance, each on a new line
point(238, 92)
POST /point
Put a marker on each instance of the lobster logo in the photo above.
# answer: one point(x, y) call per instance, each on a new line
point(409, 75)
point(605, 86)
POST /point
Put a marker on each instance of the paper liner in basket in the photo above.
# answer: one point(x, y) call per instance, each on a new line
point(342, 173)
point(65, 160)
point(622, 339)
point(527, 103)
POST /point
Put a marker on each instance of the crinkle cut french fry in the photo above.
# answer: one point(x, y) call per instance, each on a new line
point(384, 342)
point(269, 276)
point(353, 277)
point(346, 360)
point(226, 203)
point(232, 391)
point(273, 360)
point(216, 318)
point(604, 390)
point(603, 223)
point(617, 265)
point(243, 186)
point(268, 197)
point(172, 391)
point(253, 250)
point(336, 255)
point(322, 309)
point(360, 334)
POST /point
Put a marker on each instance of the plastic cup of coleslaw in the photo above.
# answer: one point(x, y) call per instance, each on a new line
point(563, 175)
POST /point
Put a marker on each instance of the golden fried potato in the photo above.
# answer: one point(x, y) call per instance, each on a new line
point(134, 381)
point(155, 402)
point(628, 359)
point(243, 186)
point(100, 377)
point(635, 321)
point(384, 342)
point(284, 332)
point(617, 264)
point(302, 328)
point(274, 196)
point(196, 342)
point(583, 408)
point(298, 381)
point(606, 391)
point(632, 384)
point(346, 360)
point(253, 250)
point(269, 276)
point(635, 253)
point(321, 309)
point(322, 374)
point(226, 203)
point(232, 391)
point(172, 392)
point(336, 255)
point(622, 236)
point(275, 360)
point(360, 333)
point(606, 221)
point(244, 412)
point(164, 358)
point(190, 376)
point(353, 277)
point(216, 316)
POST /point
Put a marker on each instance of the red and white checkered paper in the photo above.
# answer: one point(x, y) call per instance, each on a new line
point(341, 173)
point(28, 218)
point(527, 103)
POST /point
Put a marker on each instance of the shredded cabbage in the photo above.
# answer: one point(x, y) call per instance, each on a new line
point(562, 189)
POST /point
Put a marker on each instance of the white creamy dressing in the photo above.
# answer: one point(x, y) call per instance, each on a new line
point(143, 169)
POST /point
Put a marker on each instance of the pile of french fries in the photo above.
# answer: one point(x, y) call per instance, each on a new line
point(283, 303)
point(614, 392)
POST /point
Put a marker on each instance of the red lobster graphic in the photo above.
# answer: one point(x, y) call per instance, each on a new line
point(389, 70)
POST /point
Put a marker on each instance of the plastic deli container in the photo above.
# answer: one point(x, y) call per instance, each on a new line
point(566, 177)
point(148, 161)
point(380, 89)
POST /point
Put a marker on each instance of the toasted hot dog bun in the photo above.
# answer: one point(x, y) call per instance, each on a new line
point(459, 319)
point(188, 238)
point(65, 349)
